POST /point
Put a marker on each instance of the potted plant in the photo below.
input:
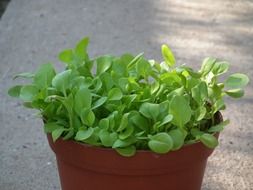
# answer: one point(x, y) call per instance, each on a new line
point(127, 122)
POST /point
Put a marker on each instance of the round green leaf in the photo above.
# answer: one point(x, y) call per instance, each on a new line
point(166, 120)
point(200, 113)
point(115, 94)
point(82, 100)
point(139, 121)
point(209, 140)
point(127, 132)
point(104, 123)
point(84, 134)
point(207, 65)
point(220, 68)
point(127, 151)
point(181, 111)
point(15, 91)
point(150, 110)
point(88, 117)
point(161, 143)
point(237, 80)
point(62, 81)
point(200, 93)
point(177, 136)
point(44, 75)
point(103, 63)
point(28, 92)
point(107, 139)
point(123, 123)
point(124, 143)
point(235, 93)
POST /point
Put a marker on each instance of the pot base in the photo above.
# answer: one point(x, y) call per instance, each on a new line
point(85, 167)
point(74, 178)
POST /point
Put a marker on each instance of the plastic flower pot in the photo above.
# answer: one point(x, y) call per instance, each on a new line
point(85, 167)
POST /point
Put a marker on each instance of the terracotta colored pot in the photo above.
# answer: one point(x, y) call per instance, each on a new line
point(84, 167)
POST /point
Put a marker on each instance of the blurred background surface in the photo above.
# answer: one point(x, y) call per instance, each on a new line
point(34, 31)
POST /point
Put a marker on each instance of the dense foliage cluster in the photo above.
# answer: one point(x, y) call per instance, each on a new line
point(128, 102)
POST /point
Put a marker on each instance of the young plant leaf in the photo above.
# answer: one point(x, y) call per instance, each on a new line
point(97, 84)
point(135, 60)
point(28, 92)
point(15, 91)
point(126, 151)
point(143, 68)
point(154, 87)
point(177, 136)
point(93, 138)
point(104, 123)
point(57, 133)
point(139, 121)
point(24, 75)
point(124, 122)
point(220, 68)
point(168, 55)
point(84, 134)
point(160, 143)
point(107, 139)
point(236, 81)
point(166, 120)
point(69, 134)
point(115, 94)
point(81, 48)
point(124, 143)
point(127, 132)
point(62, 81)
point(200, 93)
point(50, 127)
point(99, 102)
point(196, 132)
point(82, 100)
point(219, 127)
point(235, 93)
point(107, 80)
point(209, 140)
point(88, 117)
point(44, 76)
point(218, 105)
point(181, 111)
point(104, 63)
point(170, 78)
point(207, 65)
point(66, 56)
point(150, 110)
point(200, 113)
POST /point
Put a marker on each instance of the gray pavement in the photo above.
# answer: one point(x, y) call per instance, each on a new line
point(33, 31)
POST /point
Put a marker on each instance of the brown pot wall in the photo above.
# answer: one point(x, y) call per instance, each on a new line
point(84, 167)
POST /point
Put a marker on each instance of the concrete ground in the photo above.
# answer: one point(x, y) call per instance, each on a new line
point(33, 31)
